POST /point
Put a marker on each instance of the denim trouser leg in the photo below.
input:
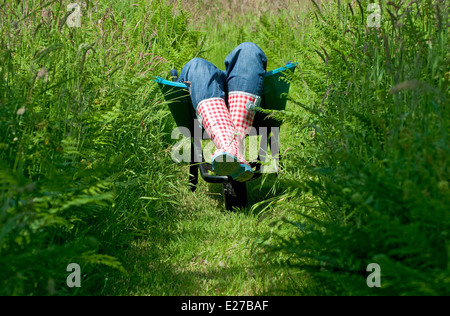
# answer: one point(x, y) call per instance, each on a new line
point(245, 69)
point(205, 80)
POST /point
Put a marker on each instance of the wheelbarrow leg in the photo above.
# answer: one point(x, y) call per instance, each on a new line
point(193, 170)
point(274, 139)
point(235, 195)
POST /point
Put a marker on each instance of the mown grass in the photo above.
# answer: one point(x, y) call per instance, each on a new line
point(200, 250)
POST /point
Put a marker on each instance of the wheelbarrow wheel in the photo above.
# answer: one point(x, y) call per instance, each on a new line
point(235, 195)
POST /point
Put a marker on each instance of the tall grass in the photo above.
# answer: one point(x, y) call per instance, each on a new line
point(372, 150)
point(83, 137)
point(226, 24)
point(85, 164)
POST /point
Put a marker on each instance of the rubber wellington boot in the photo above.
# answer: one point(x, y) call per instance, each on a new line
point(242, 106)
point(215, 118)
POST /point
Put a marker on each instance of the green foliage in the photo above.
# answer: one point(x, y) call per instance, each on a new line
point(85, 170)
point(83, 137)
point(375, 111)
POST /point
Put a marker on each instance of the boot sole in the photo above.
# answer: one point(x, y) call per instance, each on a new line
point(225, 164)
point(244, 173)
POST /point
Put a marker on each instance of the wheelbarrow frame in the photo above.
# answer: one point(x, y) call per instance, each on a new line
point(274, 97)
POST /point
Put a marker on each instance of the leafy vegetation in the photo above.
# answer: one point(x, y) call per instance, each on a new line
point(373, 106)
point(83, 144)
point(86, 174)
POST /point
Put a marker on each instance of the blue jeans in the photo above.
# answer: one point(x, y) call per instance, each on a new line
point(245, 69)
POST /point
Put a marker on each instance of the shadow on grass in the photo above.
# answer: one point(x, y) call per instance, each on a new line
point(151, 273)
point(262, 189)
point(200, 248)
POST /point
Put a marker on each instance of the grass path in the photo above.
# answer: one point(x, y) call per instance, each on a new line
point(203, 249)
point(199, 248)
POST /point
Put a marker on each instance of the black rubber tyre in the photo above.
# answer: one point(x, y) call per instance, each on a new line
point(235, 195)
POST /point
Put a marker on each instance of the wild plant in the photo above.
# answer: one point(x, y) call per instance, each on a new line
point(373, 106)
point(83, 136)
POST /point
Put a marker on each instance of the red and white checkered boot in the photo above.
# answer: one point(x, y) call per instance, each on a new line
point(242, 107)
point(215, 118)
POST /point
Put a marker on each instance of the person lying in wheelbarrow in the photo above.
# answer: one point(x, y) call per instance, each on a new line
point(225, 104)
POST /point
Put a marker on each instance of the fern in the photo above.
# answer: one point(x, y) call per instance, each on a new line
point(82, 138)
point(375, 185)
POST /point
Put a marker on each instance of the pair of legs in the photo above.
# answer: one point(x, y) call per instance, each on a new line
point(225, 103)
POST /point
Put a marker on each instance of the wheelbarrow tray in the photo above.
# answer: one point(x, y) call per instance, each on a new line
point(276, 88)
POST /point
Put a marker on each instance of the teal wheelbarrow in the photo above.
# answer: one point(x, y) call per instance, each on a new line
point(276, 88)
